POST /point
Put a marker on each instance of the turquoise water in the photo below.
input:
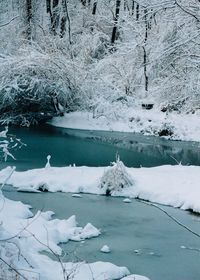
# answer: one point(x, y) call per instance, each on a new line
point(140, 237)
point(97, 149)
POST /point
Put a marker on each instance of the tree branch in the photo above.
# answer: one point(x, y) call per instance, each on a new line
point(186, 11)
point(7, 23)
point(15, 270)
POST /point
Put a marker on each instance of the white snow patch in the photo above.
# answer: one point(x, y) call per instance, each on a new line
point(28, 189)
point(105, 249)
point(127, 200)
point(135, 277)
point(76, 195)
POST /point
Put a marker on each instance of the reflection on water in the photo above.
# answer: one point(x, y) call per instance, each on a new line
point(67, 146)
point(161, 150)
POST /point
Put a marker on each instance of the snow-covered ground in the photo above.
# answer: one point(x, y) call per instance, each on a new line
point(23, 236)
point(177, 186)
point(151, 122)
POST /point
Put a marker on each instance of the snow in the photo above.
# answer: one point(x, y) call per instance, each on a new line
point(105, 249)
point(135, 277)
point(89, 231)
point(150, 122)
point(30, 190)
point(28, 235)
point(84, 271)
point(177, 185)
point(76, 195)
point(127, 200)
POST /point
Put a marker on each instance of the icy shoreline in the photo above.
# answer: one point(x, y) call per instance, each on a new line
point(185, 127)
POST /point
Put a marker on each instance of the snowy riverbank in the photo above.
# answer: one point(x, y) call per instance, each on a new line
point(177, 186)
point(150, 122)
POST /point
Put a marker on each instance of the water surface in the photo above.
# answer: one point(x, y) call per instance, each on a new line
point(67, 146)
point(140, 237)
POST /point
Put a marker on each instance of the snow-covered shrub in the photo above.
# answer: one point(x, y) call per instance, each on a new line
point(37, 83)
point(116, 178)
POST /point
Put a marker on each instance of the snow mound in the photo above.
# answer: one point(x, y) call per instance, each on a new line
point(89, 231)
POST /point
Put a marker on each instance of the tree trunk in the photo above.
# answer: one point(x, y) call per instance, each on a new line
point(116, 18)
point(133, 7)
point(146, 25)
point(94, 8)
point(64, 20)
point(29, 19)
point(137, 12)
point(125, 5)
point(146, 79)
point(48, 6)
point(55, 17)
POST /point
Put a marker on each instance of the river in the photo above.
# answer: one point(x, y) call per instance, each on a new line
point(140, 236)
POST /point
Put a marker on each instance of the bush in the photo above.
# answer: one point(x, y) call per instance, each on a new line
point(116, 178)
point(35, 86)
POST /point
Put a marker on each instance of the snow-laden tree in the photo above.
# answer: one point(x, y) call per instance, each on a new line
point(116, 178)
point(88, 54)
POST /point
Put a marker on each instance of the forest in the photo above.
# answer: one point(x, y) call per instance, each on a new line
point(61, 56)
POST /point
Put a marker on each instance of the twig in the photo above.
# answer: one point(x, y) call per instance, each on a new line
point(49, 248)
point(186, 11)
point(14, 269)
point(8, 177)
point(20, 254)
point(8, 22)
point(171, 217)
